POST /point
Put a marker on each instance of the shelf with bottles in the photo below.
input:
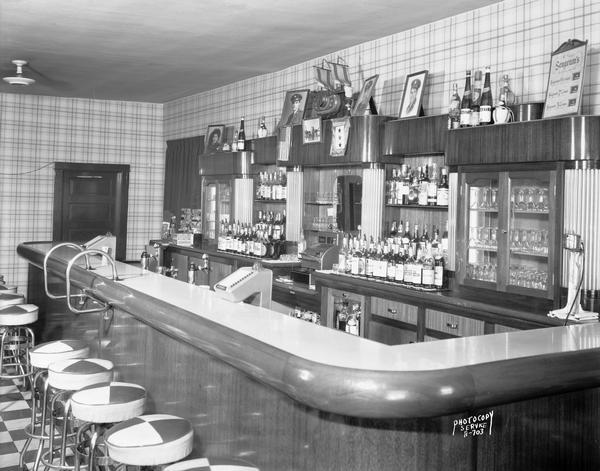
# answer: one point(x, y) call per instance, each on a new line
point(306, 315)
point(347, 314)
point(321, 198)
point(271, 186)
point(424, 185)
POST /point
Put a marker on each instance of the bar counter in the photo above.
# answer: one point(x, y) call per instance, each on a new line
point(329, 373)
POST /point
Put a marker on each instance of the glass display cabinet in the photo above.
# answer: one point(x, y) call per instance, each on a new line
point(216, 195)
point(509, 232)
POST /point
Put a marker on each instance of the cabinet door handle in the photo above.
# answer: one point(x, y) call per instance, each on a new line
point(292, 291)
point(450, 325)
point(392, 311)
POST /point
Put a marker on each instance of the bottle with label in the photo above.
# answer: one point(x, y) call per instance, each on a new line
point(485, 108)
point(454, 109)
point(466, 102)
point(428, 269)
point(241, 139)
point(438, 276)
point(262, 128)
point(234, 143)
point(476, 98)
point(442, 189)
point(432, 186)
point(423, 186)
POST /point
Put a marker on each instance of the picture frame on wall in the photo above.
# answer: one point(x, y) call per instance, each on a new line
point(410, 105)
point(215, 135)
point(311, 131)
point(293, 108)
point(364, 97)
point(565, 80)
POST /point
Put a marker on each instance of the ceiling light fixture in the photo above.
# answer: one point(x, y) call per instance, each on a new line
point(19, 79)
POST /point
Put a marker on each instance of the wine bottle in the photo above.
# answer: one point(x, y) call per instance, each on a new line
point(454, 109)
point(241, 140)
point(466, 102)
point(485, 108)
point(234, 144)
point(476, 98)
point(423, 186)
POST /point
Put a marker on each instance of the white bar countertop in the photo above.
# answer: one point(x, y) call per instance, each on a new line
point(420, 379)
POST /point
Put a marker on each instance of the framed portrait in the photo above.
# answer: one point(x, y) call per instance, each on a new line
point(565, 81)
point(410, 106)
point(215, 135)
point(311, 131)
point(364, 97)
point(293, 107)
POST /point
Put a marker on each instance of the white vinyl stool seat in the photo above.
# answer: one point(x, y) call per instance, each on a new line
point(150, 440)
point(77, 373)
point(106, 403)
point(18, 314)
point(50, 352)
point(10, 299)
point(212, 464)
point(8, 288)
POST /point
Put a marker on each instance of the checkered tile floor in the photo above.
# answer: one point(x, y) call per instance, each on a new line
point(14, 415)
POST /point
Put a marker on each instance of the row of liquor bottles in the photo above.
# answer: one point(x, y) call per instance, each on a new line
point(403, 257)
point(306, 315)
point(271, 185)
point(423, 186)
point(265, 239)
point(476, 105)
point(347, 314)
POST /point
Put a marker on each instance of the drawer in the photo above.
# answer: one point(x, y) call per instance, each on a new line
point(452, 324)
point(389, 334)
point(394, 310)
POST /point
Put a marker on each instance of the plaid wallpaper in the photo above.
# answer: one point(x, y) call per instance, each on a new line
point(36, 131)
point(514, 37)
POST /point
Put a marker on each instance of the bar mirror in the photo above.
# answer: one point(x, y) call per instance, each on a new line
point(349, 197)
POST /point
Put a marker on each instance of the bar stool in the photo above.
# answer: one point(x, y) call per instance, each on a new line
point(10, 299)
point(99, 406)
point(4, 288)
point(212, 464)
point(16, 341)
point(40, 357)
point(150, 440)
point(65, 377)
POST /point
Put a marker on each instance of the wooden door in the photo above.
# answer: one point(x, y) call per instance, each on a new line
point(90, 200)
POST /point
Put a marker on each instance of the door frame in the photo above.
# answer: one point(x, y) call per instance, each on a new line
point(121, 199)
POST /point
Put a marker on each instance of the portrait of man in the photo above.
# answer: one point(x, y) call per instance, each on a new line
point(293, 107)
point(214, 139)
point(413, 92)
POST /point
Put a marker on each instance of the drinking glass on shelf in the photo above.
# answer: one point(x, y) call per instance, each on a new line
point(521, 200)
point(485, 195)
point(530, 197)
point(474, 197)
point(494, 201)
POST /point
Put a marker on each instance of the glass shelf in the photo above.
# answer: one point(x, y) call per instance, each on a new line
point(262, 200)
point(417, 206)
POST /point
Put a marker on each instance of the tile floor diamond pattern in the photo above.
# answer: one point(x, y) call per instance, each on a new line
point(14, 415)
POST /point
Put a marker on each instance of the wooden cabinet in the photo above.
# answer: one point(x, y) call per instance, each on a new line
point(391, 322)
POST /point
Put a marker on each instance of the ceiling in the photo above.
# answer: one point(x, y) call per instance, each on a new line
point(160, 50)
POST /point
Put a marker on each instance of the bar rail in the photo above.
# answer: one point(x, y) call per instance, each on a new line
point(338, 373)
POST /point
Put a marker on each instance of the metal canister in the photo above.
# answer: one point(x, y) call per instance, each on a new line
point(145, 259)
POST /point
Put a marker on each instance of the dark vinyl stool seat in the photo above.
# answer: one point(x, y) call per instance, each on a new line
point(8, 288)
point(212, 464)
point(150, 440)
point(16, 340)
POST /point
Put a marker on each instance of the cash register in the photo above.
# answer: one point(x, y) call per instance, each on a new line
point(315, 257)
point(252, 284)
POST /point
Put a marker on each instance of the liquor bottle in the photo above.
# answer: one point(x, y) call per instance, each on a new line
point(409, 268)
point(234, 144)
point(262, 128)
point(454, 109)
point(445, 241)
point(370, 258)
point(389, 252)
point(393, 230)
point(438, 276)
point(399, 261)
point(505, 96)
point(342, 255)
point(485, 108)
point(432, 186)
point(353, 320)
point(241, 140)
point(442, 189)
point(356, 258)
point(428, 271)
point(406, 237)
point(423, 186)
point(413, 190)
point(342, 316)
point(466, 103)
point(476, 98)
